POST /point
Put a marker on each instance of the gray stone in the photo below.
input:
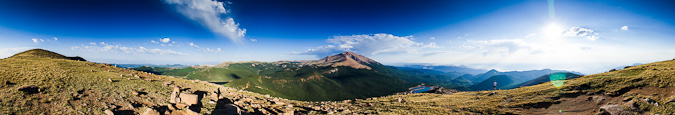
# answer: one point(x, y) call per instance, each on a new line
point(615, 110)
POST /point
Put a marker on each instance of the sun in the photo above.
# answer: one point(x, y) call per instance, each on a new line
point(552, 30)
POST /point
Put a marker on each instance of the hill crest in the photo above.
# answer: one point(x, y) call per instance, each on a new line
point(41, 53)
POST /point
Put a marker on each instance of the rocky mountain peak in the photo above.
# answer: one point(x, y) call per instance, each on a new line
point(350, 59)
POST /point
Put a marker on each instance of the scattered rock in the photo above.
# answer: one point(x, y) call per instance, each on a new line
point(651, 101)
point(180, 106)
point(110, 80)
point(614, 110)
point(108, 112)
point(134, 92)
point(228, 109)
point(29, 89)
point(150, 111)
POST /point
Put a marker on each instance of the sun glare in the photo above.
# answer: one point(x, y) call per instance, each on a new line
point(552, 30)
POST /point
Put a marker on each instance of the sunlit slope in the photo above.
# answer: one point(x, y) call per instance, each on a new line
point(618, 87)
point(40, 84)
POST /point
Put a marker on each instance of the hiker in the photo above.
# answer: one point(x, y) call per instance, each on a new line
point(494, 85)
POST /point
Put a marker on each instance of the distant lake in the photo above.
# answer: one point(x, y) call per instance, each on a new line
point(219, 83)
point(420, 89)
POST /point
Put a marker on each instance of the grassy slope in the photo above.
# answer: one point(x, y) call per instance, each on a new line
point(80, 87)
point(310, 83)
point(67, 85)
point(659, 74)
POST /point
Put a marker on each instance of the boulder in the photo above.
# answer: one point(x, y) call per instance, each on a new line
point(174, 95)
point(615, 110)
point(598, 99)
point(150, 111)
point(190, 112)
point(632, 105)
point(189, 99)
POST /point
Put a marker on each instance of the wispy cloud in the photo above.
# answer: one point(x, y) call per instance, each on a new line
point(530, 35)
point(369, 45)
point(581, 32)
point(501, 46)
point(123, 49)
point(217, 50)
point(208, 13)
point(254, 40)
point(153, 41)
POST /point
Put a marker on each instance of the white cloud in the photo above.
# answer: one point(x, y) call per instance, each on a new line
point(165, 40)
point(35, 40)
point(123, 49)
point(581, 32)
point(92, 43)
point(7, 52)
point(102, 43)
point(153, 41)
point(432, 38)
point(530, 35)
point(369, 45)
point(55, 39)
point(624, 28)
point(41, 40)
point(254, 40)
point(207, 13)
point(194, 45)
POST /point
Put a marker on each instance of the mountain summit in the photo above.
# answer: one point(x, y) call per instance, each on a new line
point(350, 59)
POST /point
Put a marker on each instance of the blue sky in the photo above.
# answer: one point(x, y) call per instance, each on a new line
point(584, 36)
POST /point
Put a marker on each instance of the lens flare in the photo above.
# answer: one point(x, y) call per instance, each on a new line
point(551, 9)
point(558, 79)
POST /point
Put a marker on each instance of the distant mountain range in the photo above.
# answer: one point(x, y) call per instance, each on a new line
point(513, 78)
point(452, 69)
point(342, 76)
point(153, 65)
